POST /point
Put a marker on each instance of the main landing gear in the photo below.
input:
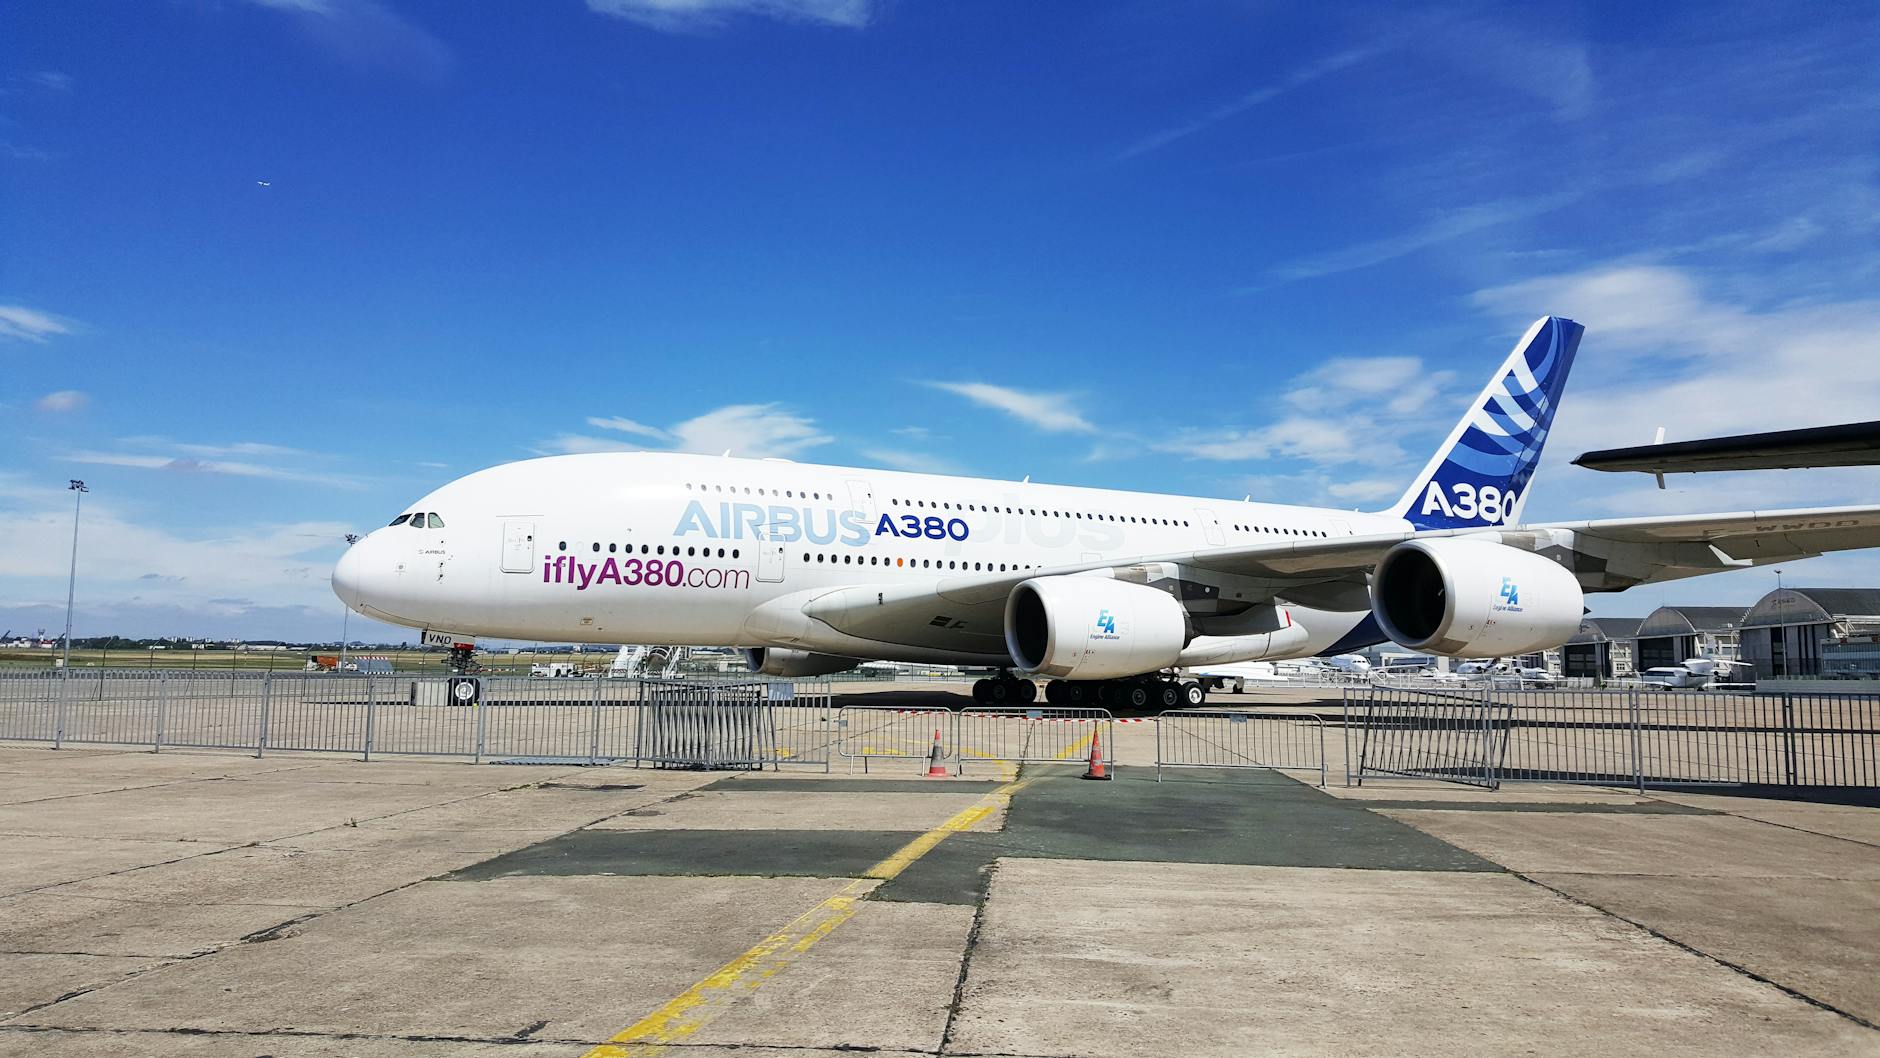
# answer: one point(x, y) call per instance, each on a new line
point(1149, 691)
point(1005, 689)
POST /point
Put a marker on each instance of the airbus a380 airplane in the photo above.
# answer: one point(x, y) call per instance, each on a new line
point(811, 568)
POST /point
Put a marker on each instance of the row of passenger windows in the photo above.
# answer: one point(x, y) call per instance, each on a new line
point(852, 559)
point(656, 549)
point(420, 520)
point(947, 505)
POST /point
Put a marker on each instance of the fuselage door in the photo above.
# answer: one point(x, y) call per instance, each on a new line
point(862, 498)
point(1211, 526)
point(518, 546)
point(770, 560)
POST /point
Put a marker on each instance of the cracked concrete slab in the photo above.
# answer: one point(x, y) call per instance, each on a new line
point(1126, 959)
point(44, 922)
point(1674, 846)
point(29, 979)
point(37, 861)
point(586, 955)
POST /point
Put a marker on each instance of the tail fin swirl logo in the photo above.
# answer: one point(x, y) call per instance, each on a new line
point(1480, 476)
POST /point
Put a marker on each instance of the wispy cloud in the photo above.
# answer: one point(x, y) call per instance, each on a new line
point(62, 400)
point(368, 34)
point(51, 80)
point(1303, 76)
point(186, 465)
point(1051, 412)
point(24, 324)
point(694, 15)
point(757, 430)
point(627, 426)
point(1438, 229)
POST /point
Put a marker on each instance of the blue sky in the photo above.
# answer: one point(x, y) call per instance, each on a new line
point(1217, 248)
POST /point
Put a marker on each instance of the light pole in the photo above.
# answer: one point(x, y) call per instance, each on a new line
point(78, 490)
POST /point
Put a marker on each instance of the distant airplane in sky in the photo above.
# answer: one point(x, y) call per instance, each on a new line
point(264, 183)
point(811, 568)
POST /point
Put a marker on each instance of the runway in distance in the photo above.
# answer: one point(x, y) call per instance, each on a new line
point(813, 568)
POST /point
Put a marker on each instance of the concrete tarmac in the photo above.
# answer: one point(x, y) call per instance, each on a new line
point(218, 905)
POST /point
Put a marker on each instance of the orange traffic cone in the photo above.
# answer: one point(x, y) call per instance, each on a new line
point(1096, 759)
point(936, 769)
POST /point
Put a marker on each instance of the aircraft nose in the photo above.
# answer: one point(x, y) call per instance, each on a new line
point(348, 576)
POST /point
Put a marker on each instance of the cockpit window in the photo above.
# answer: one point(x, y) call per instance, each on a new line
point(417, 521)
point(436, 522)
point(400, 520)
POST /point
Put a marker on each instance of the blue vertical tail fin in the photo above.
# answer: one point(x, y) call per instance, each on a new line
point(1479, 477)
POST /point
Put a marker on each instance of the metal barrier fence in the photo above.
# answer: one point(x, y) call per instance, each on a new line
point(1633, 737)
point(1239, 738)
point(877, 732)
point(1035, 734)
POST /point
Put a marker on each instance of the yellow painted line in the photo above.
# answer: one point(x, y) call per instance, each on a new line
point(694, 1008)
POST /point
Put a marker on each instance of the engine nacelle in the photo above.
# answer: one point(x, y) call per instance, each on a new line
point(782, 661)
point(1091, 628)
point(1474, 598)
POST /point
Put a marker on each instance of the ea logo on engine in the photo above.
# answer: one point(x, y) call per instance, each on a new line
point(1510, 595)
point(1106, 626)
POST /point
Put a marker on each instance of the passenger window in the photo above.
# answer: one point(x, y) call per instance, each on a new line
point(400, 520)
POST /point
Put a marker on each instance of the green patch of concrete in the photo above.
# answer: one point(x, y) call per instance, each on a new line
point(759, 853)
point(1251, 818)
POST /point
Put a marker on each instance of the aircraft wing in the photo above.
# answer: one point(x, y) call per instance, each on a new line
point(1848, 445)
point(966, 613)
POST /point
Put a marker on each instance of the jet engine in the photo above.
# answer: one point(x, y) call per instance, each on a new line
point(1474, 598)
point(1090, 628)
point(782, 661)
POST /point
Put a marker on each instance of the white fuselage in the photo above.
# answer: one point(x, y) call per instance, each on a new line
point(683, 549)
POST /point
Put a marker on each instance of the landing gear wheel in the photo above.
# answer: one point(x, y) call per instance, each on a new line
point(1054, 692)
point(1194, 695)
point(1167, 694)
point(1135, 695)
point(982, 692)
point(1027, 692)
point(999, 692)
point(1076, 693)
point(1240, 686)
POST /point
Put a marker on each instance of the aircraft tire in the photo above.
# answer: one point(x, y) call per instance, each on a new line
point(1167, 694)
point(1027, 692)
point(1194, 695)
point(982, 692)
point(1054, 692)
point(1135, 695)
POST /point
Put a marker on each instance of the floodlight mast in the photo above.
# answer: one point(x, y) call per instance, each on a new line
point(78, 490)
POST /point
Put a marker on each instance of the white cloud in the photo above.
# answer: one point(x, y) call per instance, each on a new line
point(691, 15)
point(627, 426)
point(62, 400)
point(752, 430)
point(1051, 412)
point(1661, 350)
point(183, 465)
point(22, 323)
point(51, 79)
